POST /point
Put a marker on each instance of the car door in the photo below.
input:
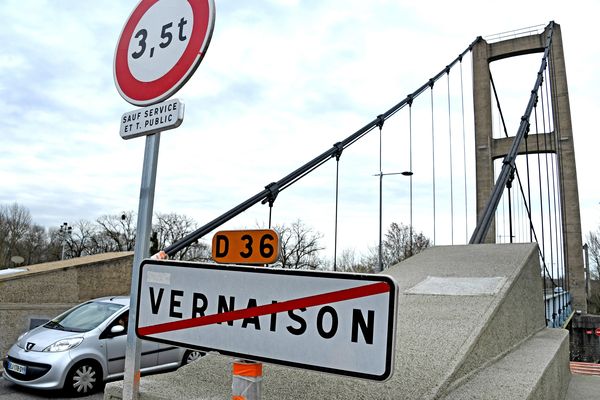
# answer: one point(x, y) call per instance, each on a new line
point(169, 354)
point(116, 343)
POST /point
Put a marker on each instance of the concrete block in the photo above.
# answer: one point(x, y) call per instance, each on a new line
point(495, 304)
point(536, 369)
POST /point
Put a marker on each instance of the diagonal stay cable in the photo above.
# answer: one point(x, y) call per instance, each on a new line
point(528, 209)
point(498, 104)
point(272, 189)
point(525, 201)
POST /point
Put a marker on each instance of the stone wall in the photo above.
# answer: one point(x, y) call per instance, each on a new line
point(46, 290)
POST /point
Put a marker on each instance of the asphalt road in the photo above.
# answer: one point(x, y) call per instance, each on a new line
point(10, 391)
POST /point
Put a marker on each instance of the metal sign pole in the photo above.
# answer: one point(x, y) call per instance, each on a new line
point(131, 381)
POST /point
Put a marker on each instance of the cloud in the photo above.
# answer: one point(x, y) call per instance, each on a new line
point(283, 80)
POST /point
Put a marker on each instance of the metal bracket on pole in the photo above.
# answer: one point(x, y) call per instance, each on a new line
point(131, 380)
point(339, 148)
point(273, 189)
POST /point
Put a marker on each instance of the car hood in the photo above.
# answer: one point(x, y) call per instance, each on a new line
point(40, 338)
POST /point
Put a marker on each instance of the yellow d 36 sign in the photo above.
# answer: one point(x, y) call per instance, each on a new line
point(259, 246)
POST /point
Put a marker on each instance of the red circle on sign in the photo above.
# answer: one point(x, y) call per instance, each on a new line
point(145, 93)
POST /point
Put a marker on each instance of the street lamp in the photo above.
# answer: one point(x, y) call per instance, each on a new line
point(381, 175)
point(64, 231)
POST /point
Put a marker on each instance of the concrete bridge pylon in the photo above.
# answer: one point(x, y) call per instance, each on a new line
point(488, 148)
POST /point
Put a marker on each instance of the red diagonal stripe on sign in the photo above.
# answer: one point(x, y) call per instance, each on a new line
point(303, 302)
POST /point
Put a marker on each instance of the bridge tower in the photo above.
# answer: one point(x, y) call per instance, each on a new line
point(487, 148)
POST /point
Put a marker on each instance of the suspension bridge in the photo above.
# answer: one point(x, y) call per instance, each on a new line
point(476, 176)
point(523, 178)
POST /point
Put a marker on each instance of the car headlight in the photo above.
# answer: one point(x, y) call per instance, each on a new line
point(64, 344)
point(21, 336)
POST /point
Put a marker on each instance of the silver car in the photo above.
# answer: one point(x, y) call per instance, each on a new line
point(84, 347)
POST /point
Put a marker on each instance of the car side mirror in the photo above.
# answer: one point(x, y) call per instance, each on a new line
point(115, 330)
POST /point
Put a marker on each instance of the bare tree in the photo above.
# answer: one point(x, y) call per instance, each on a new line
point(34, 248)
point(16, 222)
point(19, 236)
point(54, 245)
point(349, 262)
point(117, 232)
point(169, 228)
point(300, 246)
point(81, 241)
point(402, 242)
point(593, 242)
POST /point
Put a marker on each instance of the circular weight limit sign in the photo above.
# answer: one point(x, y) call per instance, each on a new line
point(160, 47)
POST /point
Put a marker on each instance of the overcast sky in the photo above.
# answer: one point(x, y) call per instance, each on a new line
point(281, 82)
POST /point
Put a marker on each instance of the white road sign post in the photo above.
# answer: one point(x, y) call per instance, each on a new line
point(332, 322)
point(160, 47)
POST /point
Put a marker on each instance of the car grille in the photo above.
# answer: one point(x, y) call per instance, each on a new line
point(34, 370)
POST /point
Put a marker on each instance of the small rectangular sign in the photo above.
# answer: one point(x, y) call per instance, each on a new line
point(152, 119)
point(256, 246)
point(334, 322)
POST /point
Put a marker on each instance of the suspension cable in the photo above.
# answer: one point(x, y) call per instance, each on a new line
point(537, 140)
point(271, 200)
point(554, 195)
point(555, 308)
point(528, 183)
point(380, 125)
point(410, 169)
point(337, 181)
point(545, 271)
point(551, 244)
point(270, 212)
point(557, 132)
point(433, 161)
point(508, 164)
point(308, 167)
point(462, 102)
point(510, 222)
point(539, 157)
point(504, 235)
point(498, 105)
point(451, 164)
point(530, 218)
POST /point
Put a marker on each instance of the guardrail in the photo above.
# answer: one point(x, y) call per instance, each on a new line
point(517, 33)
point(558, 308)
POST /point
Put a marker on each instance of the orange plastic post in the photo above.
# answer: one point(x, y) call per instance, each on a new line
point(247, 379)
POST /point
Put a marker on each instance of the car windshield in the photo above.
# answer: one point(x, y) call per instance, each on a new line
point(85, 317)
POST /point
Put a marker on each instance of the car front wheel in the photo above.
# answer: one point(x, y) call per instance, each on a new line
point(191, 355)
point(84, 378)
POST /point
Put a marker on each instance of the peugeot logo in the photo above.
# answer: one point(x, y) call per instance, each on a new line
point(29, 346)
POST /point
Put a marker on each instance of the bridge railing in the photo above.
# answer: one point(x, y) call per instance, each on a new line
point(558, 307)
point(514, 34)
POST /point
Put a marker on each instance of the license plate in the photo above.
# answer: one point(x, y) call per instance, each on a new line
point(21, 369)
